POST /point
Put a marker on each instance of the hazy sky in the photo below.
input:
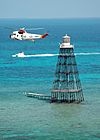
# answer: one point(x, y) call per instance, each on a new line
point(49, 8)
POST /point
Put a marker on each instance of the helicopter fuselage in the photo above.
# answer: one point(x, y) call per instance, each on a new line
point(23, 35)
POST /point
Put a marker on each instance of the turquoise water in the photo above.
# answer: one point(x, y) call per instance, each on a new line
point(23, 118)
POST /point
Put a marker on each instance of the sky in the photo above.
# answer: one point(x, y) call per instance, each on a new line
point(49, 8)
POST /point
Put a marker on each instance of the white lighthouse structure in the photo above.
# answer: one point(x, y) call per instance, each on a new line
point(66, 42)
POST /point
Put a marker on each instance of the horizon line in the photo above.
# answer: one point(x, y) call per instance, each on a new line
point(52, 18)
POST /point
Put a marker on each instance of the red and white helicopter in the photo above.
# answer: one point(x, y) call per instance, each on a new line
point(21, 34)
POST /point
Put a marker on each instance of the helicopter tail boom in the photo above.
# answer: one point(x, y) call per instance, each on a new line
point(43, 36)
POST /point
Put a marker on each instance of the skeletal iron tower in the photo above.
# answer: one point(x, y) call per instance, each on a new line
point(67, 85)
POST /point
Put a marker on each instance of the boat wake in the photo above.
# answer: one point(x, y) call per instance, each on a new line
point(33, 55)
point(92, 53)
point(21, 54)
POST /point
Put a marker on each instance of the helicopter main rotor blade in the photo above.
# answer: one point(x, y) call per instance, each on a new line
point(5, 27)
point(34, 28)
point(10, 28)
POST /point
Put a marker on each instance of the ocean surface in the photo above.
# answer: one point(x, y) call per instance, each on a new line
point(23, 118)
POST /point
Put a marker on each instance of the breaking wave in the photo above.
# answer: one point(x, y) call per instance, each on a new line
point(50, 55)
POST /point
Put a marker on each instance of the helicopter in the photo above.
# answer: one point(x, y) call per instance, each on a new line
point(22, 34)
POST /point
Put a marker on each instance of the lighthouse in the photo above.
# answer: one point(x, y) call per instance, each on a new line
point(66, 85)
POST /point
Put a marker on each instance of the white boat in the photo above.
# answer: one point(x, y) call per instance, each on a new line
point(21, 54)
